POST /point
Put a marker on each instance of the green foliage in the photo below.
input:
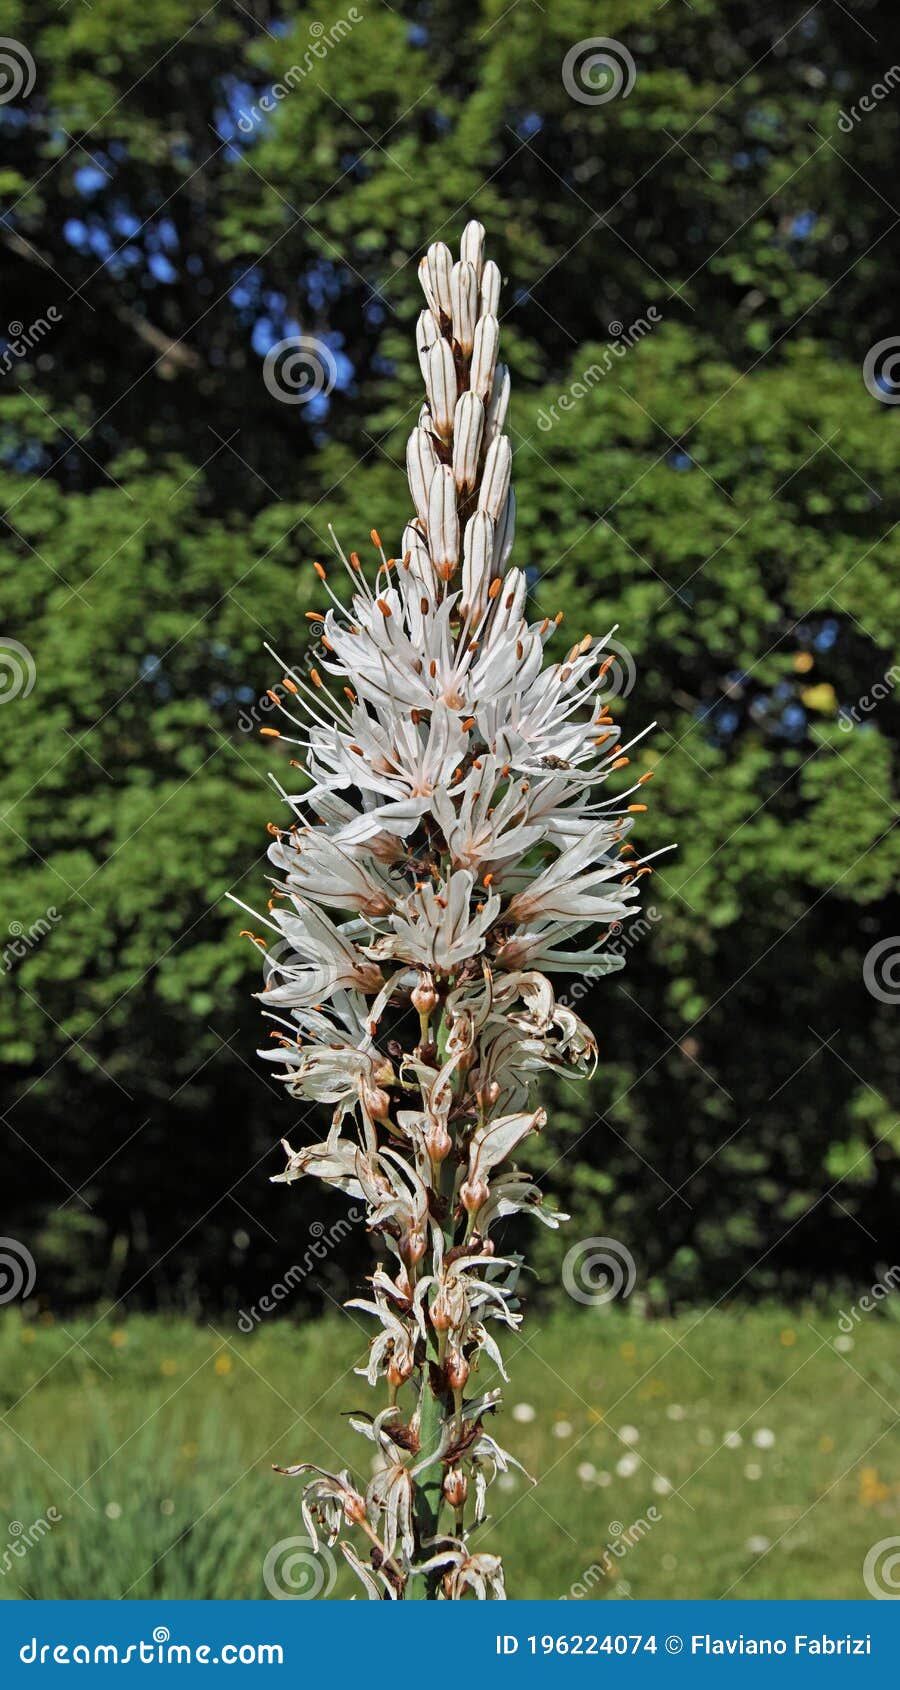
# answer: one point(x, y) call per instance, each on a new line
point(163, 1485)
point(723, 491)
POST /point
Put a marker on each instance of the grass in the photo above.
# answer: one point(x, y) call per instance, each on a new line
point(737, 1453)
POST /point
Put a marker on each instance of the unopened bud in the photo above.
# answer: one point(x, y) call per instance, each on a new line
point(455, 1487)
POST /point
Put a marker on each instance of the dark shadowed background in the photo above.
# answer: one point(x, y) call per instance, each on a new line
point(702, 268)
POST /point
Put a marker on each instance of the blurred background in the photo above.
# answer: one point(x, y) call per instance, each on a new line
point(702, 258)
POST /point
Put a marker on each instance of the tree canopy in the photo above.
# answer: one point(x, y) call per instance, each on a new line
point(698, 273)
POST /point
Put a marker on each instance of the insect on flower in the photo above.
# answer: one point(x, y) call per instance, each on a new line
point(456, 844)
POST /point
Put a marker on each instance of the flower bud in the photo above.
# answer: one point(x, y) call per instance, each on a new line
point(505, 532)
point(421, 463)
point(490, 289)
point(455, 1487)
point(427, 332)
point(464, 306)
point(443, 523)
point(499, 403)
point(440, 385)
point(471, 246)
point(477, 572)
point(439, 261)
point(495, 481)
point(468, 425)
point(484, 356)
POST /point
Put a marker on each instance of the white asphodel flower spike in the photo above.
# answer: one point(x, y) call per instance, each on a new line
point(455, 844)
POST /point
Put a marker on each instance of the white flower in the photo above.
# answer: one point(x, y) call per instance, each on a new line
point(458, 839)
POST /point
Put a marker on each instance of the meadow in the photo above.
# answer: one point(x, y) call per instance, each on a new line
point(744, 1452)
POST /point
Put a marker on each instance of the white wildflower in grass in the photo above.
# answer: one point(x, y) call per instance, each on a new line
point(453, 842)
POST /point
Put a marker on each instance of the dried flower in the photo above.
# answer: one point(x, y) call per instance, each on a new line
point(452, 849)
